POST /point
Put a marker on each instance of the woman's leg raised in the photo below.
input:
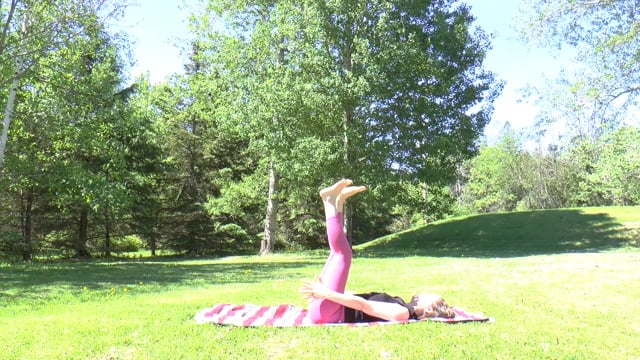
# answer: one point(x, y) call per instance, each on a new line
point(336, 270)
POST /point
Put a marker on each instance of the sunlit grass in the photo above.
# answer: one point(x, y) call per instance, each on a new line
point(517, 234)
point(549, 302)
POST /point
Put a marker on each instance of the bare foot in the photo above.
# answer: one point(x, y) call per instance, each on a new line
point(349, 191)
point(335, 195)
point(332, 192)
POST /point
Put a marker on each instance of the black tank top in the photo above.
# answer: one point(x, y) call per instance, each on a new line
point(355, 316)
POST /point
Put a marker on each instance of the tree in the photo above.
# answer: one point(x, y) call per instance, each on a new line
point(264, 57)
point(25, 180)
point(31, 29)
point(501, 177)
point(63, 56)
point(147, 158)
point(201, 157)
point(77, 127)
point(188, 184)
point(98, 119)
point(606, 84)
point(407, 75)
point(608, 171)
point(377, 86)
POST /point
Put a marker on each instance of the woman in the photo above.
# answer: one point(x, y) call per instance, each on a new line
point(328, 302)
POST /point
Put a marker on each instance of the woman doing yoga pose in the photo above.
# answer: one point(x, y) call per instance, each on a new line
point(328, 302)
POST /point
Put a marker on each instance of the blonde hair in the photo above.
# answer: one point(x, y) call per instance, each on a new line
point(440, 310)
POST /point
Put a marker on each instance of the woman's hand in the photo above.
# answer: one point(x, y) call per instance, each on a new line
point(314, 290)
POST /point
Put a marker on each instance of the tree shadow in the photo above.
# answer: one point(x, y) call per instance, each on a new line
point(42, 282)
point(509, 235)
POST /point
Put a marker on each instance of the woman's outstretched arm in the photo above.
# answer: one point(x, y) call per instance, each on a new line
point(382, 310)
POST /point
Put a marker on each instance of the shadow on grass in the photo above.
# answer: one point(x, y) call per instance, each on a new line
point(508, 235)
point(41, 281)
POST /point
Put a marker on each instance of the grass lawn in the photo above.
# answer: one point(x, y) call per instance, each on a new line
point(561, 284)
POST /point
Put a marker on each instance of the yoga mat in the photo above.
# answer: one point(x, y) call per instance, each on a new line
point(285, 315)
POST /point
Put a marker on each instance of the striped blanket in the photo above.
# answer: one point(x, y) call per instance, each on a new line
point(291, 316)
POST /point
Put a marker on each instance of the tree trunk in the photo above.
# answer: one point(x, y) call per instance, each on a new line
point(7, 26)
point(8, 112)
point(10, 105)
point(152, 245)
point(348, 209)
point(425, 199)
point(27, 226)
point(271, 221)
point(107, 234)
point(347, 215)
point(153, 233)
point(347, 123)
point(81, 240)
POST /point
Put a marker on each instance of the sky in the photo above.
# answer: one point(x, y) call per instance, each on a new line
point(157, 27)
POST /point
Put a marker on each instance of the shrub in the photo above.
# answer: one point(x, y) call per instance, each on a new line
point(129, 243)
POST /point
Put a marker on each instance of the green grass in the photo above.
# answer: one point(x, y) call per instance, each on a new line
point(561, 284)
point(518, 234)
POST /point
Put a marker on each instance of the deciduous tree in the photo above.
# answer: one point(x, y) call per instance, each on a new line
point(602, 91)
point(31, 29)
point(380, 86)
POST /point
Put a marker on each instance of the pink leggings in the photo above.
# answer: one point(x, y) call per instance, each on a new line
point(334, 275)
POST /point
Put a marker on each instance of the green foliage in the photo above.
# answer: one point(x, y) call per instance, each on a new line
point(589, 173)
point(32, 30)
point(9, 244)
point(393, 95)
point(496, 178)
point(608, 170)
point(202, 158)
point(486, 180)
point(600, 90)
point(129, 243)
point(79, 151)
point(325, 90)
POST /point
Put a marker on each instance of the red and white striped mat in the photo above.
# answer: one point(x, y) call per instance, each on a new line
point(290, 316)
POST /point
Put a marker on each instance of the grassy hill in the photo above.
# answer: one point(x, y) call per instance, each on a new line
point(517, 234)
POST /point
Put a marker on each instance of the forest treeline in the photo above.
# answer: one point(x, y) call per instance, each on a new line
point(285, 98)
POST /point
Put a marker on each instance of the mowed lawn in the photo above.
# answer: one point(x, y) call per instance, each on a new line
point(560, 284)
